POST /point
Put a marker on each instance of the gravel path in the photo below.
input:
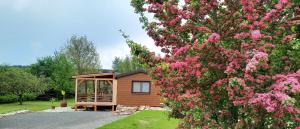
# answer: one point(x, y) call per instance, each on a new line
point(58, 120)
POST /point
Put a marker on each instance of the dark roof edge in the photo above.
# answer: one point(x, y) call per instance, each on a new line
point(130, 73)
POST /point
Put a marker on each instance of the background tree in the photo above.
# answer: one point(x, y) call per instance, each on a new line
point(57, 71)
point(220, 65)
point(83, 54)
point(128, 64)
point(116, 63)
point(18, 82)
point(63, 71)
point(44, 67)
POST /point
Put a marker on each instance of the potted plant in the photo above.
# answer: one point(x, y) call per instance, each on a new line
point(52, 100)
point(63, 103)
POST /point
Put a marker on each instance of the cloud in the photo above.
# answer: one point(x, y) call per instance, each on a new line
point(108, 53)
point(37, 28)
point(19, 5)
point(149, 43)
point(121, 49)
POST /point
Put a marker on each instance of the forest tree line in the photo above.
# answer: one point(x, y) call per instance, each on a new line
point(50, 75)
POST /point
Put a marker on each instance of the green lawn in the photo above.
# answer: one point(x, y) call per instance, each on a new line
point(144, 120)
point(30, 105)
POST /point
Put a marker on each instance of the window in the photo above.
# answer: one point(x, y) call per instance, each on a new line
point(140, 86)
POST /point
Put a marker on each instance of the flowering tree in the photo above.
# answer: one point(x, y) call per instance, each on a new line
point(219, 68)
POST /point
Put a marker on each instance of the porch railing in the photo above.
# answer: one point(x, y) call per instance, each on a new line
point(101, 97)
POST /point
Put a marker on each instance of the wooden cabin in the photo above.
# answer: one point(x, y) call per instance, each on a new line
point(111, 89)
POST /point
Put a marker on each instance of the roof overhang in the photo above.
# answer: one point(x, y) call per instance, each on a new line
point(98, 75)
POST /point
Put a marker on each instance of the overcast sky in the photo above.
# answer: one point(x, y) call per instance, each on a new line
point(30, 29)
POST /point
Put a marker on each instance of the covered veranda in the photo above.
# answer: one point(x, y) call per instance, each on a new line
point(93, 90)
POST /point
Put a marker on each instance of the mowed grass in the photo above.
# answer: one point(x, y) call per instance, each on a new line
point(144, 120)
point(31, 105)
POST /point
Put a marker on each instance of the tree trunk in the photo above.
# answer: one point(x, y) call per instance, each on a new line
point(21, 99)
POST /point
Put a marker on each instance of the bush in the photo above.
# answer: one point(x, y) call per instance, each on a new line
point(9, 98)
point(29, 96)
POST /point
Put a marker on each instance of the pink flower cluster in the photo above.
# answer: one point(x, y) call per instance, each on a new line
point(269, 101)
point(258, 57)
point(287, 83)
point(255, 34)
point(238, 86)
point(214, 37)
point(178, 51)
point(178, 64)
point(241, 35)
point(231, 67)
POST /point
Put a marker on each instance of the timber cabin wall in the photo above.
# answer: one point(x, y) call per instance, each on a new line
point(127, 98)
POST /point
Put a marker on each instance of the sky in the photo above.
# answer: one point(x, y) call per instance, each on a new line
point(31, 29)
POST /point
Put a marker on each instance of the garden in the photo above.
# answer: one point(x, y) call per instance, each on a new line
point(231, 64)
point(32, 106)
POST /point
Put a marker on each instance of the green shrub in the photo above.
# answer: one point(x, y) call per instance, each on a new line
point(30, 96)
point(9, 98)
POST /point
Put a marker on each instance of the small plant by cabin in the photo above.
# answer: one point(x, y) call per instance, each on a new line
point(52, 100)
point(63, 103)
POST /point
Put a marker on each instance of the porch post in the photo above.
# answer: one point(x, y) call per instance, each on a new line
point(95, 82)
point(86, 92)
point(115, 91)
point(76, 83)
point(95, 106)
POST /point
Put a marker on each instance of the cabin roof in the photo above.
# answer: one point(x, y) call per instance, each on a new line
point(109, 73)
point(130, 73)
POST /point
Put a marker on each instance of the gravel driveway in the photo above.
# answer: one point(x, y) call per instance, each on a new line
point(55, 120)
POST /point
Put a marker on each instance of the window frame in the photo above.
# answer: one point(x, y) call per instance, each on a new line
point(141, 82)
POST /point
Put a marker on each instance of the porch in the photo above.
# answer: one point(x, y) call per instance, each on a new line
point(95, 90)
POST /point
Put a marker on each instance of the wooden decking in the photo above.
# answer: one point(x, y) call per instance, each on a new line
point(94, 105)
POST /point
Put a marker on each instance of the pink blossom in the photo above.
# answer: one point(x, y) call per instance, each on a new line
point(261, 56)
point(214, 37)
point(173, 36)
point(237, 36)
point(268, 15)
point(219, 82)
point(241, 35)
point(279, 6)
point(270, 109)
point(283, 1)
point(254, 62)
point(203, 29)
point(181, 50)
point(178, 64)
point(294, 84)
point(269, 101)
point(284, 83)
point(231, 67)
point(255, 34)
point(187, 94)
point(190, 104)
